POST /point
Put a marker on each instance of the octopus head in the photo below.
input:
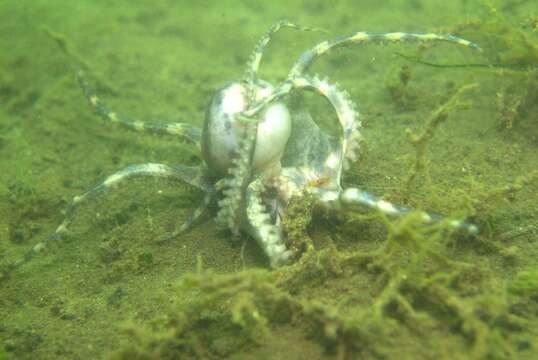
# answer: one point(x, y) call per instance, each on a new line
point(222, 130)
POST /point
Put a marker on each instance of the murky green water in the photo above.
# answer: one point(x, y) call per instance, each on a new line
point(372, 288)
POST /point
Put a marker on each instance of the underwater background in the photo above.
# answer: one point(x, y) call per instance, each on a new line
point(458, 139)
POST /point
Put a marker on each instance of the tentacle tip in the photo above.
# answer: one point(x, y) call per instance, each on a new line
point(473, 45)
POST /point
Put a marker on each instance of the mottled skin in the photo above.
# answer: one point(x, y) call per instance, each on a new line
point(258, 153)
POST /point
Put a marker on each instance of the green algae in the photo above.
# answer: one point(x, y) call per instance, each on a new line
point(415, 291)
point(364, 286)
point(525, 283)
point(420, 142)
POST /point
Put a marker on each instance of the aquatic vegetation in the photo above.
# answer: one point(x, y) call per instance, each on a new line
point(420, 142)
point(414, 288)
point(525, 284)
point(510, 51)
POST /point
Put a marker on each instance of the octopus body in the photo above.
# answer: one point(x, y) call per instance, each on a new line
point(258, 153)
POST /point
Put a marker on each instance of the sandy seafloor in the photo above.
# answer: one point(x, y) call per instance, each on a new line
point(370, 289)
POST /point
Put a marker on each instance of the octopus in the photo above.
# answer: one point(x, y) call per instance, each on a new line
point(258, 153)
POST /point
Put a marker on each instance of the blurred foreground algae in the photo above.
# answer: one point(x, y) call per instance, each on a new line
point(416, 291)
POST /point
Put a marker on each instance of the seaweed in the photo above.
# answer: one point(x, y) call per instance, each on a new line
point(420, 142)
point(415, 289)
point(510, 50)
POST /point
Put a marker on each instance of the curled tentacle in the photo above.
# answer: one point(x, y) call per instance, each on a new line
point(237, 145)
point(231, 212)
point(347, 114)
point(345, 108)
point(260, 226)
point(307, 57)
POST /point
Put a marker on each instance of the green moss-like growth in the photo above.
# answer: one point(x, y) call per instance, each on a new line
point(511, 50)
point(296, 223)
point(218, 314)
point(420, 142)
point(525, 283)
point(415, 290)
